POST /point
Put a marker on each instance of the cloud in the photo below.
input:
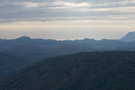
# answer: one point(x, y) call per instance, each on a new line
point(52, 10)
point(71, 4)
point(26, 4)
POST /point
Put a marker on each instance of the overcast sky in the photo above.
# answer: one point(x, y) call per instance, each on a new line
point(66, 19)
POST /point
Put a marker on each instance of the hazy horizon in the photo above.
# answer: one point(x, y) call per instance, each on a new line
point(61, 19)
point(61, 39)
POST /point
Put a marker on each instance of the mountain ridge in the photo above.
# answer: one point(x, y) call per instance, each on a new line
point(128, 37)
point(82, 71)
point(10, 63)
point(35, 50)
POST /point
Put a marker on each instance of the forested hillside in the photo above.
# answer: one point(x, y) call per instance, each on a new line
point(83, 71)
point(10, 63)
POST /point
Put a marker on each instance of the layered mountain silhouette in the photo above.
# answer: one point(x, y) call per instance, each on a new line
point(128, 37)
point(102, 65)
point(83, 71)
point(35, 50)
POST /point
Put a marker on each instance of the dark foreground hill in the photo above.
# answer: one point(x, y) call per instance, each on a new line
point(10, 63)
point(82, 71)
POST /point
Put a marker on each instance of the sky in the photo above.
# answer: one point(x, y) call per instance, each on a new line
point(66, 19)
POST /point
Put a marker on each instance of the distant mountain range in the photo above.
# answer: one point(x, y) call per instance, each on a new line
point(98, 65)
point(129, 37)
point(113, 70)
point(35, 50)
